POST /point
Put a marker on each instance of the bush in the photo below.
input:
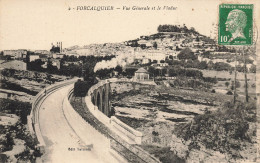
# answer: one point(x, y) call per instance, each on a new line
point(227, 84)
point(16, 87)
point(229, 93)
point(221, 66)
point(210, 80)
point(81, 88)
point(22, 109)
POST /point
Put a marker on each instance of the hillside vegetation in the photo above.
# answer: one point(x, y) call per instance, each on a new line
point(230, 130)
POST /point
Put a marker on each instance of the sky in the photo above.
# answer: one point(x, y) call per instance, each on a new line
point(35, 24)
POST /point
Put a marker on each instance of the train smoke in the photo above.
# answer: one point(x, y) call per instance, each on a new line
point(121, 60)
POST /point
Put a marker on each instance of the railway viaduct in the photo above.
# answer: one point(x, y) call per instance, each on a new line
point(100, 96)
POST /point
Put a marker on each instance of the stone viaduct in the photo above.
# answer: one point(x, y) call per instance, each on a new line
point(100, 96)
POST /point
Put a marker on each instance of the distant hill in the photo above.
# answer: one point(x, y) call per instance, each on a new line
point(172, 37)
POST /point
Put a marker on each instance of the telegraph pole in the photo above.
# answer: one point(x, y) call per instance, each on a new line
point(245, 72)
point(235, 87)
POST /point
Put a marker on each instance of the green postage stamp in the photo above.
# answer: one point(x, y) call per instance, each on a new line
point(235, 24)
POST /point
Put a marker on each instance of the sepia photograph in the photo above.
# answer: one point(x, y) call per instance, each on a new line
point(129, 81)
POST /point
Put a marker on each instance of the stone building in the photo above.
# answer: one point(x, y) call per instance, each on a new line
point(141, 74)
point(16, 54)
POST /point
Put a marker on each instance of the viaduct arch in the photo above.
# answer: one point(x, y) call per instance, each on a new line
point(100, 97)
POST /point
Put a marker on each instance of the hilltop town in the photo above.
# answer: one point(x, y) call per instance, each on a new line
point(160, 49)
point(190, 82)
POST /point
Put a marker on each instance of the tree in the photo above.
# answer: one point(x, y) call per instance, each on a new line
point(50, 68)
point(227, 84)
point(237, 85)
point(192, 29)
point(119, 69)
point(155, 45)
point(169, 28)
point(197, 39)
point(129, 72)
point(55, 49)
point(186, 54)
point(35, 65)
point(143, 46)
point(151, 70)
point(6, 73)
point(88, 68)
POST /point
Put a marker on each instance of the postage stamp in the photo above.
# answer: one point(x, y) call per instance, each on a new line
point(235, 24)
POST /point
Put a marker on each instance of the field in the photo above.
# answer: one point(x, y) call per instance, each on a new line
point(227, 75)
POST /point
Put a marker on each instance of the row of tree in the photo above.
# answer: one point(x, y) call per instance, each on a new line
point(175, 28)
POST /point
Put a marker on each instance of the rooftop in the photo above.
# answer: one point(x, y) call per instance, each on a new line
point(141, 70)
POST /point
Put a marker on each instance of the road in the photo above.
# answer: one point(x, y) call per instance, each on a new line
point(62, 143)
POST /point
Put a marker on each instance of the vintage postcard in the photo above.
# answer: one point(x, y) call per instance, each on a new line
point(138, 81)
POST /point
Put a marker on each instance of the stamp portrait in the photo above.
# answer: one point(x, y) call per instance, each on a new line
point(235, 24)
